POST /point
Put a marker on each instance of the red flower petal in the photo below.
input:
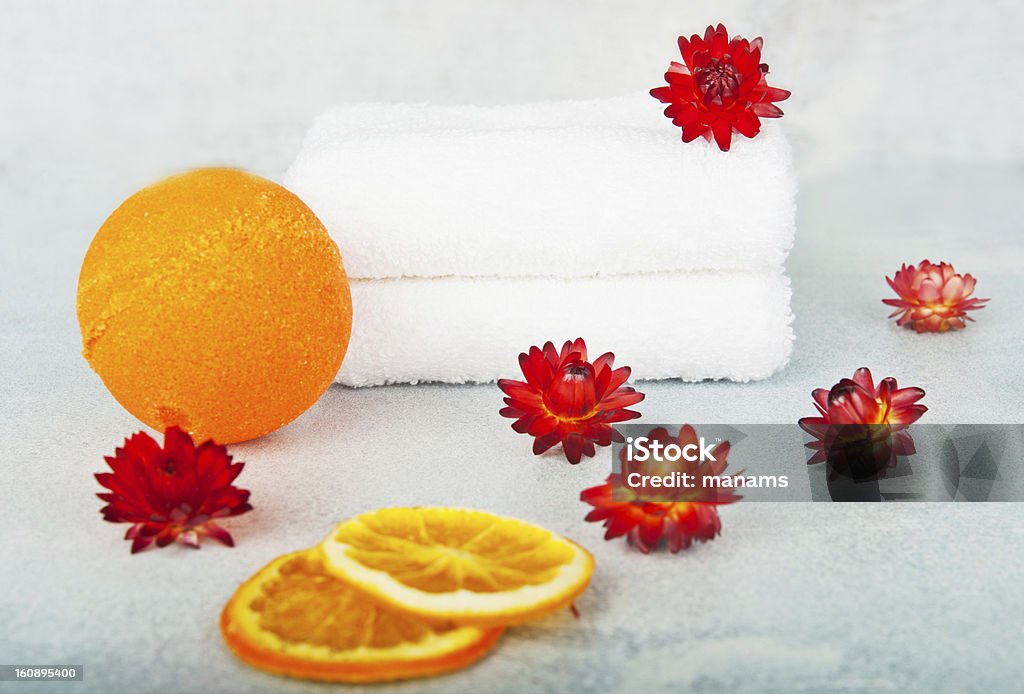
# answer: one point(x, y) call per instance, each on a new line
point(723, 134)
point(748, 124)
point(776, 94)
point(662, 94)
point(692, 133)
point(766, 110)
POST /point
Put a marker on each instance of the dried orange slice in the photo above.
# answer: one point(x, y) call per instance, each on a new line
point(458, 565)
point(294, 618)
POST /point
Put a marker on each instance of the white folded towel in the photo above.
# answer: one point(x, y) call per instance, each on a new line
point(570, 189)
point(694, 325)
point(472, 233)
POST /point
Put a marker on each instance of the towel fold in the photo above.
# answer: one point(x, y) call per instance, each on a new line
point(694, 325)
point(570, 189)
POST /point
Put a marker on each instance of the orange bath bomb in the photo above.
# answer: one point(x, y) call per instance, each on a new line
point(216, 301)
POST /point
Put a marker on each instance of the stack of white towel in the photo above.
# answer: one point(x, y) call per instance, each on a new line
point(470, 234)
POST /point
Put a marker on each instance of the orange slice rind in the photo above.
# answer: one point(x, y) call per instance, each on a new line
point(458, 565)
point(294, 618)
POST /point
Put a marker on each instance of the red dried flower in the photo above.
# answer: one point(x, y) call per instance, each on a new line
point(172, 493)
point(932, 298)
point(887, 410)
point(721, 88)
point(679, 522)
point(569, 400)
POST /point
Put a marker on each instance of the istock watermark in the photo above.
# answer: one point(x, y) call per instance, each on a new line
point(844, 462)
point(642, 449)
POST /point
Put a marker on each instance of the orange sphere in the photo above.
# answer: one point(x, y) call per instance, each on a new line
point(216, 301)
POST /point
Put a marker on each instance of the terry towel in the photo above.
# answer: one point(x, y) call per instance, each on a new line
point(472, 233)
point(568, 189)
point(693, 325)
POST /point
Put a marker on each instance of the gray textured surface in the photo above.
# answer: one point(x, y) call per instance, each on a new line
point(100, 100)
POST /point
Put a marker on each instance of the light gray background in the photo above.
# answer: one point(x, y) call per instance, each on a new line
point(905, 123)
